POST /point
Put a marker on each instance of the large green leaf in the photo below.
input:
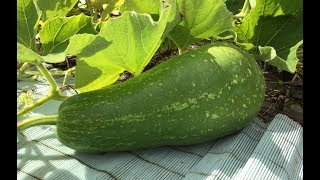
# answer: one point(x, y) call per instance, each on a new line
point(124, 43)
point(27, 17)
point(273, 23)
point(234, 6)
point(97, 73)
point(141, 6)
point(201, 19)
point(56, 32)
point(55, 8)
point(25, 54)
point(269, 55)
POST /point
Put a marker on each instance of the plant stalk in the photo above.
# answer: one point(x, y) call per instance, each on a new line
point(47, 75)
point(88, 2)
point(42, 100)
point(22, 69)
point(53, 93)
point(53, 73)
point(36, 121)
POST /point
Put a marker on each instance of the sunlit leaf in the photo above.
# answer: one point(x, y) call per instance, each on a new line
point(124, 43)
point(201, 19)
point(25, 54)
point(55, 8)
point(273, 24)
point(27, 17)
point(56, 32)
point(141, 6)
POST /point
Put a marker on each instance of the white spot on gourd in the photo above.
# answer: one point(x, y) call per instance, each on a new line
point(234, 82)
point(192, 101)
point(207, 114)
point(211, 96)
point(178, 106)
point(214, 116)
point(195, 106)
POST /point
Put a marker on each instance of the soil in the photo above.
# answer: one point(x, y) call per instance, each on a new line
point(284, 94)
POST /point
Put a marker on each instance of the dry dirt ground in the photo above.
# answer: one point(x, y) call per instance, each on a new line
point(284, 94)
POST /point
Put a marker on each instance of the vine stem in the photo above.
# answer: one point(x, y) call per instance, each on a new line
point(53, 93)
point(53, 73)
point(36, 121)
point(180, 51)
point(22, 69)
point(47, 75)
point(88, 2)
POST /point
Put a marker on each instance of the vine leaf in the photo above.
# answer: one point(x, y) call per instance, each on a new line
point(27, 18)
point(107, 5)
point(56, 32)
point(273, 27)
point(96, 73)
point(234, 5)
point(141, 6)
point(25, 54)
point(55, 8)
point(201, 19)
point(127, 43)
point(269, 55)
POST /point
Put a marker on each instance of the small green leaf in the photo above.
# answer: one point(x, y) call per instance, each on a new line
point(274, 24)
point(25, 54)
point(55, 8)
point(124, 43)
point(201, 19)
point(27, 18)
point(269, 55)
point(57, 31)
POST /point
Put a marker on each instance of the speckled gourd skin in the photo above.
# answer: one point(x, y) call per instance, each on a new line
point(201, 95)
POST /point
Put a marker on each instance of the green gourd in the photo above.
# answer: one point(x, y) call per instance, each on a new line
point(201, 95)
